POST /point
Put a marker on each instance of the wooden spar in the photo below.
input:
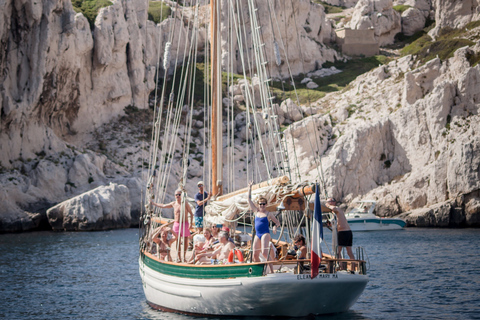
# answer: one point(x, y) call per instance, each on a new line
point(271, 182)
point(303, 191)
point(216, 102)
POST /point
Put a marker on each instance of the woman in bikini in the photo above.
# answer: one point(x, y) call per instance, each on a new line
point(261, 242)
point(163, 249)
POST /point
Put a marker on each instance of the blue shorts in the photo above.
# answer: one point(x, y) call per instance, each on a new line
point(199, 222)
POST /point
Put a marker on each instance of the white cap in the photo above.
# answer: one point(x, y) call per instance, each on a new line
point(200, 183)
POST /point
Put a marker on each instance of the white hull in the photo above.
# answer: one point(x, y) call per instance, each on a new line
point(375, 224)
point(279, 294)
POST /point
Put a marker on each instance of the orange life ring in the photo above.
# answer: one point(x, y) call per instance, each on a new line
point(238, 253)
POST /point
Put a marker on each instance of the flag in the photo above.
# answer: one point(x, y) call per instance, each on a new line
point(317, 234)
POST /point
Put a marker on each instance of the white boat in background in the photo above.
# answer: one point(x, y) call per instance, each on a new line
point(361, 218)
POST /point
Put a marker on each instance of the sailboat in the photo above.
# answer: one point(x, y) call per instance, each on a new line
point(238, 287)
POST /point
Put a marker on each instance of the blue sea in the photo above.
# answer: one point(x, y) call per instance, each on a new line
point(414, 274)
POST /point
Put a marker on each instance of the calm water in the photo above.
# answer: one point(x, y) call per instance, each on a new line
point(414, 273)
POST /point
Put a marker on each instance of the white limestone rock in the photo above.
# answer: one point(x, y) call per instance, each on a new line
point(106, 207)
point(312, 85)
point(291, 111)
point(378, 15)
point(434, 216)
point(454, 14)
point(307, 28)
point(413, 20)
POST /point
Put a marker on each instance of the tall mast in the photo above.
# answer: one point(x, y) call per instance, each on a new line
point(216, 80)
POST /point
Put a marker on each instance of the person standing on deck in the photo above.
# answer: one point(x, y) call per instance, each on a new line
point(179, 230)
point(344, 234)
point(261, 242)
point(201, 199)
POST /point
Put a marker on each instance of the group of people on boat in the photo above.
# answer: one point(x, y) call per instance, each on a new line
point(215, 245)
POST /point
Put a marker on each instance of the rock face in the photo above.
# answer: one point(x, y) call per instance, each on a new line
point(413, 20)
point(417, 146)
point(106, 207)
point(454, 14)
point(378, 15)
point(297, 24)
point(62, 80)
point(403, 134)
point(67, 80)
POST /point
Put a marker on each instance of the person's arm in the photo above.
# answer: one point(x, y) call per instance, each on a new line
point(156, 232)
point(272, 217)
point(190, 213)
point(208, 254)
point(161, 205)
point(250, 202)
point(332, 207)
point(202, 202)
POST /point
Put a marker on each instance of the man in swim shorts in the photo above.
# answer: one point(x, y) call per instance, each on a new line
point(201, 199)
point(344, 234)
point(180, 224)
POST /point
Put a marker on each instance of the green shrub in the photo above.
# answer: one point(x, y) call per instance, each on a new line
point(401, 8)
point(329, 8)
point(158, 11)
point(89, 8)
point(448, 41)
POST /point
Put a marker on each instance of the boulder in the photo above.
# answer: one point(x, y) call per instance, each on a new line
point(378, 15)
point(413, 20)
point(106, 207)
point(291, 111)
point(454, 14)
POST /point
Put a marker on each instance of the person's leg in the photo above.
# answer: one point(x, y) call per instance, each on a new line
point(340, 252)
point(256, 247)
point(350, 253)
point(185, 246)
point(265, 244)
point(265, 247)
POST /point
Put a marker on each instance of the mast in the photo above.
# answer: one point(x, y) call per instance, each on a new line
point(216, 81)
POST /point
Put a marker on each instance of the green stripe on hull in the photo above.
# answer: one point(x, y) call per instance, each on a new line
point(204, 272)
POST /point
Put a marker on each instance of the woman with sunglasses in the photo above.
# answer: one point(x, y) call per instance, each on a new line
point(183, 230)
point(300, 246)
point(261, 242)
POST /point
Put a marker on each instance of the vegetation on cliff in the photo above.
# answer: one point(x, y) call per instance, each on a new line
point(158, 11)
point(89, 8)
point(449, 40)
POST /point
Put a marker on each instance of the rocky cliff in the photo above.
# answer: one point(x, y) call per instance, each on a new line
point(62, 80)
point(405, 134)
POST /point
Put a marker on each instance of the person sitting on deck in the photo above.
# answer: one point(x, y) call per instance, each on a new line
point(161, 238)
point(220, 254)
point(215, 229)
point(300, 246)
point(202, 243)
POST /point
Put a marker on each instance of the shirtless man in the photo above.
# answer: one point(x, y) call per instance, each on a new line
point(344, 235)
point(181, 231)
point(221, 252)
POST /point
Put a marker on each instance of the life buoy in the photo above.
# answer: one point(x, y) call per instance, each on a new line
point(233, 252)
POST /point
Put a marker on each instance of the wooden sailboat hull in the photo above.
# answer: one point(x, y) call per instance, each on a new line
point(250, 294)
